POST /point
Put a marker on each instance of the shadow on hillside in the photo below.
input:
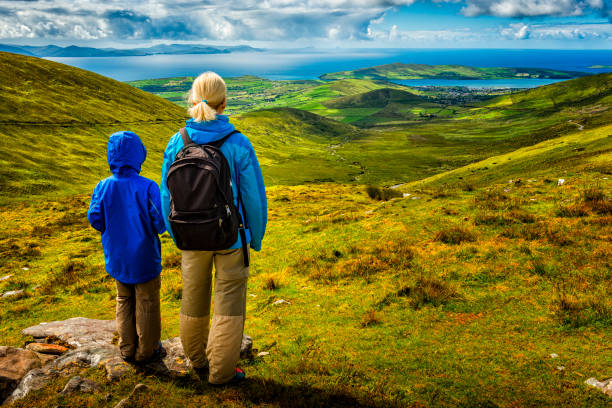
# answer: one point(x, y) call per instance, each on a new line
point(259, 391)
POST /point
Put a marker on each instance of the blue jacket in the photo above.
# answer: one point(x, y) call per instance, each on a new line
point(126, 209)
point(244, 168)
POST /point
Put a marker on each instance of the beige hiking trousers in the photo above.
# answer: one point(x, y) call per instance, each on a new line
point(220, 345)
point(138, 318)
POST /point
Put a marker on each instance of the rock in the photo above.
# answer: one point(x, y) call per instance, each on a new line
point(554, 355)
point(77, 331)
point(560, 182)
point(281, 302)
point(14, 365)
point(78, 384)
point(44, 348)
point(174, 363)
point(246, 347)
point(604, 386)
point(127, 402)
point(45, 358)
point(7, 277)
point(34, 380)
point(12, 293)
point(263, 353)
point(92, 340)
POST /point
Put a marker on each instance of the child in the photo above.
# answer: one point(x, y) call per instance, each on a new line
point(126, 209)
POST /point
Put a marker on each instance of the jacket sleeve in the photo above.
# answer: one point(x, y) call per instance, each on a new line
point(154, 206)
point(174, 145)
point(95, 214)
point(253, 193)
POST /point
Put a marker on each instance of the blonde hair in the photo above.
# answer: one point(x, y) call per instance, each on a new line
point(206, 95)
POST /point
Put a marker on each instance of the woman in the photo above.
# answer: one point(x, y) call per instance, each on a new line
point(216, 353)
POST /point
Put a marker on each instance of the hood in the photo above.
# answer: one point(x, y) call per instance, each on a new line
point(209, 131)
point(125, 152)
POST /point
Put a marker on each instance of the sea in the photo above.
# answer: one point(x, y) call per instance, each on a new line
point(311, 63)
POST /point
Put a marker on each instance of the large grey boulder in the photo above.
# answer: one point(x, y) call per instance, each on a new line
point(77, 331)
point(92, 342)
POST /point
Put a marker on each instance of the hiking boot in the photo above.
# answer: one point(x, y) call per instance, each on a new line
point(202, 372)
point(158, 354)
point(239, 377)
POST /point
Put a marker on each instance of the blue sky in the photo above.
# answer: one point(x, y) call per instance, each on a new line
point(562, 24)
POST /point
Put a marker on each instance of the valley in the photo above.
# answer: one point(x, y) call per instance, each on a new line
point(481, 279)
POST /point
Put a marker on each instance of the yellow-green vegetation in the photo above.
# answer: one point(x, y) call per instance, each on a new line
point(55, 121)
point(421, 71)
point(452, 290)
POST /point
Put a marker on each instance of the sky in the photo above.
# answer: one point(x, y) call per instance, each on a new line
point(555, 24)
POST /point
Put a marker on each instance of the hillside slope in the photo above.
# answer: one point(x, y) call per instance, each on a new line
point(55, 121)
point(581, 151)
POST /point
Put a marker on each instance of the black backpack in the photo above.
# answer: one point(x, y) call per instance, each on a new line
point(203, 216)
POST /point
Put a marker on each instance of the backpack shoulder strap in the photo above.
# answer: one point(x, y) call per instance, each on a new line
point(220, 142)
point(185, 137)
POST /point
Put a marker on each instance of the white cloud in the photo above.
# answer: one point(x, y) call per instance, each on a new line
point(533, 8)
point(521, 31)
point(266, 20)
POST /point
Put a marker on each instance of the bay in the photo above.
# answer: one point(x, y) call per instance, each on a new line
point(311, 63)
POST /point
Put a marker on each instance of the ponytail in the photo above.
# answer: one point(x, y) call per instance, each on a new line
point(207, 93)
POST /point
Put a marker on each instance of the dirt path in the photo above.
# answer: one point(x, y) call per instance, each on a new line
point(580, 127)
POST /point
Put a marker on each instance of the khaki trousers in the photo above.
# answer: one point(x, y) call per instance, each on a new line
point(219, 345)
point(138, 318)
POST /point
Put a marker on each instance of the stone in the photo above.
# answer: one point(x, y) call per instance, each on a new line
point(560, 182)
point(246, 347)
point(44, 348)
point(45, 358)
point(281, 302)
point(263, 353)
point(92, 342)
point(34, 380)
point(78, 384)
point(174, 363)
point(604, 386)
point(12, 293)
point(554, 355)
point(127, 402)
point(7, 277)
point(77, 331)
point(14, 365)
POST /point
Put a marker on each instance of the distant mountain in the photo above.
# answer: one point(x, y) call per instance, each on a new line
point(76, 51)
point(421, 71)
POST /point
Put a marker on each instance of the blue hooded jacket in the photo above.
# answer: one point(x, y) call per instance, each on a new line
point(126, 209)
point(244, 167)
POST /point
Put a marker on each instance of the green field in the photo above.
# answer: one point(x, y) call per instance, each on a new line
point(454, 292)
point(420, 71)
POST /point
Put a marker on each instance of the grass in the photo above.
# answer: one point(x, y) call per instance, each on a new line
point(415, 296)
point(454, 293)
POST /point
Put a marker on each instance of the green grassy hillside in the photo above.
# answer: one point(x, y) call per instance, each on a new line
point(55, 121)
point(460, 290)
point(421, 71)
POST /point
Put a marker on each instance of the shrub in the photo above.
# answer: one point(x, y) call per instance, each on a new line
point(382, 194)
point(455, 235)
point(370, 319)
point(574, 210)
point(593, 194)
point(173, 260)
point(271, 284)
point(575, 310)
point(427, 290)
